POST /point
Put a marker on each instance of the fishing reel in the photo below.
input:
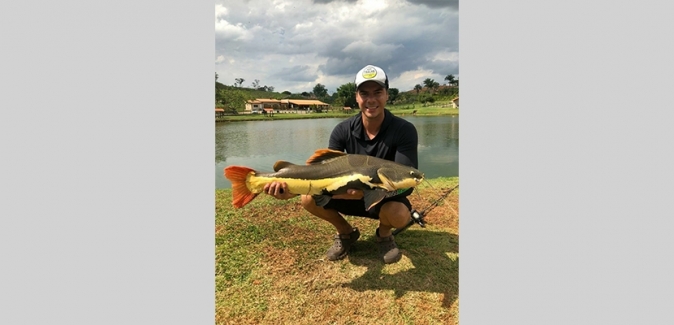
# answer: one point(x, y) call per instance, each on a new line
point(417, 217)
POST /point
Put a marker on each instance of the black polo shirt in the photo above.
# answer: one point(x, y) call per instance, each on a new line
point(397, 139)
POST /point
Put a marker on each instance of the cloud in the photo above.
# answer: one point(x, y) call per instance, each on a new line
point(220, 11)
point(328, 1)
point(293, 45)
point(437, 3)
point(301, 73)
point(227, 31)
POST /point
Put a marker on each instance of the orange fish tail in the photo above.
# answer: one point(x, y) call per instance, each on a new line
point(240, 192)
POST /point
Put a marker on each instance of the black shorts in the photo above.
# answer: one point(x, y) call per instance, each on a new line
point(357, 207)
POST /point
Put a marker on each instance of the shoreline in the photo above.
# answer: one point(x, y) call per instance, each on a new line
point(431, 111)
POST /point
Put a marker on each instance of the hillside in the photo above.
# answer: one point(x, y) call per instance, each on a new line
point(237, 96)
point(253, 93)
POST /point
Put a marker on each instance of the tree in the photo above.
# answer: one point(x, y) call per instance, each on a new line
point(347, 92)
point(418, 88)
point(216, 77)
point(256, 83)
point(435, 86)
point(392, 94)
point(455, 83)
point(232, 98)
point(320, 91)
point(305, 94)
point(427, 99)
point(429, 83)
point(239, 81)
point(450, 79)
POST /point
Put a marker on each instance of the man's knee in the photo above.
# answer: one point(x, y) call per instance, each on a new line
point(396, 213)
point(308, 202)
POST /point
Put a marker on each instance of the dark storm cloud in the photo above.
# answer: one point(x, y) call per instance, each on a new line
point(429, 3)
point(437, 3)
point(402, 42)
point(328, 1)
point(300, 73)
point(406, 55)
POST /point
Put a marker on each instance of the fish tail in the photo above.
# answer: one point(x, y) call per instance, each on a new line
point(240, 192)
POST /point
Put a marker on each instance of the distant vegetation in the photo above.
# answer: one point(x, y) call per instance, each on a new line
point(236, 95)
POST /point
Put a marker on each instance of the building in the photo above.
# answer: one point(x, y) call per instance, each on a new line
point(258, 105)
point(307, 104)
point(455, 102)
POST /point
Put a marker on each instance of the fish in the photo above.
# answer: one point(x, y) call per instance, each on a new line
point(327, 172)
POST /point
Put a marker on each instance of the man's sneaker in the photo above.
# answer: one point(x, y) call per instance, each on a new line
point(388, 249)
point(342, 244)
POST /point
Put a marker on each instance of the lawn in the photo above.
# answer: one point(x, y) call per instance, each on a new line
point(401, 110)
point(270, 266)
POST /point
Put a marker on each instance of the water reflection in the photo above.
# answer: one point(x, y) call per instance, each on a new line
point(259, 144)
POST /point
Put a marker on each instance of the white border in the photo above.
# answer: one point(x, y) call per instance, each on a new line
point(107, 145)
point(566, 162)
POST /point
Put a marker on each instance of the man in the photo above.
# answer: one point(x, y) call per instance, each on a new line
point(375, 132)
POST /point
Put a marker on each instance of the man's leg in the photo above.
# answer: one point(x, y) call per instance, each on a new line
point(346, 235)
point(392, 214)
point(332, 216)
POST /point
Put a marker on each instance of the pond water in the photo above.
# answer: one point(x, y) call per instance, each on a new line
point(259, 144)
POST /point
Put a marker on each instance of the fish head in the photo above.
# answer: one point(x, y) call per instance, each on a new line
point(399, 177)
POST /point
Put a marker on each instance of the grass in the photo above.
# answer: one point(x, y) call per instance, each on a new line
point(434, 109)
point(271, 266)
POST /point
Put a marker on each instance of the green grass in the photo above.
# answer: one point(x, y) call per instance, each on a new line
point(271, 267)
point(280, 116)
point(400, 110)
point(406, 110)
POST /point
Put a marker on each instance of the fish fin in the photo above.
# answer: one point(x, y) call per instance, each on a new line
point(282, 164)
point(321, 155)
point(372, 197)
point(241, 195)
point(385, 175)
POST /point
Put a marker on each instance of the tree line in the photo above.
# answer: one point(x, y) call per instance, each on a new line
point(235, 96)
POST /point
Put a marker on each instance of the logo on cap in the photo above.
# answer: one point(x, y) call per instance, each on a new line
point(369, 73)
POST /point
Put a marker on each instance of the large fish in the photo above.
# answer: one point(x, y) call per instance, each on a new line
point(327, 172)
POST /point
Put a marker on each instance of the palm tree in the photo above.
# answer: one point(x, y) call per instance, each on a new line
point(418, 88)
point(429, 83)
point(450, 79)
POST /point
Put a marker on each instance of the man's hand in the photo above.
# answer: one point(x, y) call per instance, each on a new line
point(278, 190)
point(351, 194)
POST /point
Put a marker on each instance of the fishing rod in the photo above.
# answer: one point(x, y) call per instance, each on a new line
point(418, 217)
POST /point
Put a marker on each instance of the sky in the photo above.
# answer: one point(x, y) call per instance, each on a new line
point(294, 44)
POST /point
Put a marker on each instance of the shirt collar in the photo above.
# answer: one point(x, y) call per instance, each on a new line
point(357, 126)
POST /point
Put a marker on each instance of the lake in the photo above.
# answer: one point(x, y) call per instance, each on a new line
point(259, 144)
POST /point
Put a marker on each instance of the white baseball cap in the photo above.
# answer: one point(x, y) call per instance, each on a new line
point(372, 73)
